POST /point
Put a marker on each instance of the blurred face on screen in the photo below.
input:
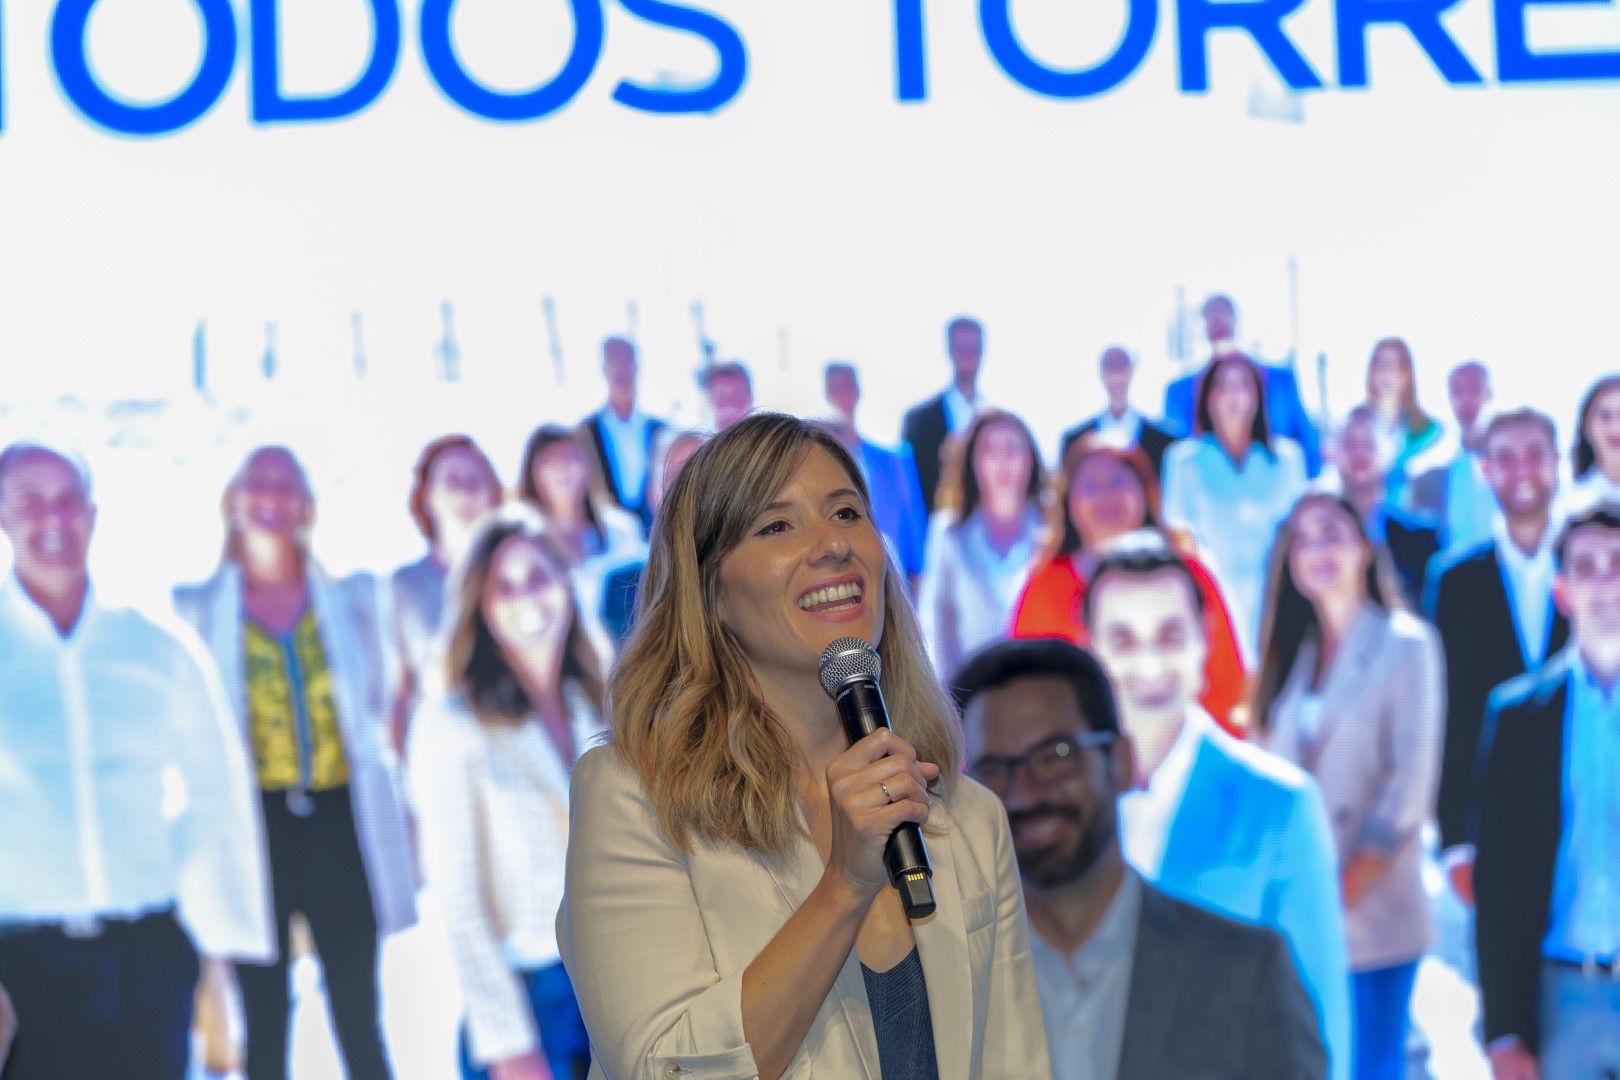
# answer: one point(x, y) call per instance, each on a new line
point(966, 346)
point(1521, 465)
point(1469, 389)
point(1001, 464)
point(1589, 588)
point(1106, 500)
point(675, 458)
point(1220, 321)
point(1361, 456)
point(1115, 369)
point(1389, 380)
point(809, 570)
point(270, 498)
point(1233, 401)
point(1603, 431)
point(561, 476)
point(47, 517)
point(731, 398)
point(619, 366)
point(460, 489)
point(1061, 800)
point(843, 391)
point(527, 603)
point(1327, 557)
point(1147, 632)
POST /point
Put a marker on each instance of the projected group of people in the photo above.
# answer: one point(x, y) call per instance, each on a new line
point(1190, 719)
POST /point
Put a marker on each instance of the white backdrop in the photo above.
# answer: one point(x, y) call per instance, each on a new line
point(815, 216)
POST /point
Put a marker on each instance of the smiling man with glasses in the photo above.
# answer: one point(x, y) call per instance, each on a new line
point(1134, 985)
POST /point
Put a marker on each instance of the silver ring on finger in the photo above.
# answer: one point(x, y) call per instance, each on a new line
point(885, 789)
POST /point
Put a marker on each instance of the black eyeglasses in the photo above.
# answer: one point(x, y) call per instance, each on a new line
point(1055, 759)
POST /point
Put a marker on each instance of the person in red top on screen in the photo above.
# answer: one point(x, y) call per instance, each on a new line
point(1105, 492)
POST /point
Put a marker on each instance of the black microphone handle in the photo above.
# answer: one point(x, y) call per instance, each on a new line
point(863, 711)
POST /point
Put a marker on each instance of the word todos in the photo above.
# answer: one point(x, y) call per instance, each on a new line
point(1260, 20)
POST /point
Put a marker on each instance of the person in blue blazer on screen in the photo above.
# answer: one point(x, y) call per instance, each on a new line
point(1214, 821)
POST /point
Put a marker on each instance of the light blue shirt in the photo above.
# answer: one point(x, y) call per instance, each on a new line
point(1232, 510)
point(1470, 503)
point(1084, 997)
point(959, 411)
point(124, 786)
point(627, 443)
point(1585, 919)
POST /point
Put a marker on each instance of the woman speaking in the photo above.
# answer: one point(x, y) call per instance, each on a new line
point(726, 912)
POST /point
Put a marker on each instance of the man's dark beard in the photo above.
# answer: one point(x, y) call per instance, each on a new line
point(1062, 863)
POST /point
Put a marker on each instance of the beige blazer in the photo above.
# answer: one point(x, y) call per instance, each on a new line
point(1376, 757)
point(656, 941)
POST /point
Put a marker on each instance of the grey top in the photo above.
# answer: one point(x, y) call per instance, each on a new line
point(905, 1027)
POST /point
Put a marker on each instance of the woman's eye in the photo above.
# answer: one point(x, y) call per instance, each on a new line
point(847, 513)
point(772, 529)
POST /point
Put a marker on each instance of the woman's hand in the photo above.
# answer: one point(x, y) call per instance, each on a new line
point(530, 1066)
point(863, 815)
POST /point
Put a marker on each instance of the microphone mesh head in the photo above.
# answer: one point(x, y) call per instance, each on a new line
point(848, 658)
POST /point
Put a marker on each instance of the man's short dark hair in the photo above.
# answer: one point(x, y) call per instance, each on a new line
point(1521, 416)
point(727, 369)
point(963, 322)
point(1218, 300)
point(839, 367)
point(1605, 515)
point(1138, 556)
point(1035, 658)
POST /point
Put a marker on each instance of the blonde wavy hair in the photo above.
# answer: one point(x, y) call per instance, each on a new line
point(687, 715)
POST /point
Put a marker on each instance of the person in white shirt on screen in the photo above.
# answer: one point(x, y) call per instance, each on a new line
point(619, 435)
point(452, 487)
point(1214, 821)
point(1134, 984)
point(1230, 486)
point(1120, 425)
point(490, 763)
point(1455, 493)
point(131, 831)
point(984, 540)
point(1595, 459)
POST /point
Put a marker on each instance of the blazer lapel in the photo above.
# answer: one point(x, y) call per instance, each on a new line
point(1194, 833)
point(795, 877)
point(1346, 679)
point(1151, 1008)
point(223, 604)
point(942, 948)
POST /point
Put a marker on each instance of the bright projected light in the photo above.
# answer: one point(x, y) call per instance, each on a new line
point(838, 179)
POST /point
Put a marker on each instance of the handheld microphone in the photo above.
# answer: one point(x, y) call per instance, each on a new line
point(850, 672)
